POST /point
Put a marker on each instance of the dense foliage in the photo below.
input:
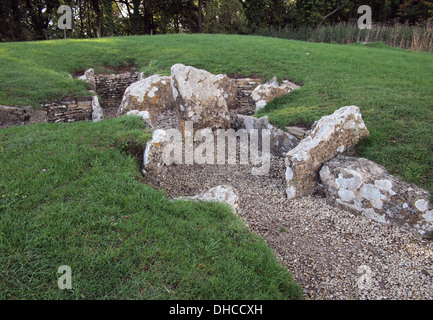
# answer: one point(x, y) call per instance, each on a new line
point(22, 20)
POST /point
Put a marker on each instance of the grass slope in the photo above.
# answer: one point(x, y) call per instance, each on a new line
point(70, 194)
point(393, 87)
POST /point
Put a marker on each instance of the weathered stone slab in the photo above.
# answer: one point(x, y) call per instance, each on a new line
point(222, 194)
point(365, 187)
point(268, 91)
point(330, 136)
point(97, 112)
point(157, 155)
point(298, 132)
point(89, 77)
point(228, 88)
point(153, 94)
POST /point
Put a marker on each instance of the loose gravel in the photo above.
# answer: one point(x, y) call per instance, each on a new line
point(332, 253)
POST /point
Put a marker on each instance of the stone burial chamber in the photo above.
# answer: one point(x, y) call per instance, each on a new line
point(314, 159)
point(197, 96)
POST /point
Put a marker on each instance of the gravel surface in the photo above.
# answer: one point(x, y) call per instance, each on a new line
point(332, 253)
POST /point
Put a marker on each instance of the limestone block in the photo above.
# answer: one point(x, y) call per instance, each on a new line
point(366, 188)
point(330, 136)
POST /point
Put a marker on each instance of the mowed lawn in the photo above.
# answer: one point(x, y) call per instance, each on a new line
point(393, 87)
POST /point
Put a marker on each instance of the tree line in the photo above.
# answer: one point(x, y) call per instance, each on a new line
point(23, 20)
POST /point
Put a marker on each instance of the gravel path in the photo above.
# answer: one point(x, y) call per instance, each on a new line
point(332, 253)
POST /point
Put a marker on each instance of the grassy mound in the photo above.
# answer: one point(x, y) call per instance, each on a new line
point(71, 195)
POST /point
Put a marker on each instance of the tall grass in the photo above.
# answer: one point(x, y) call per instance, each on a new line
point(404, 36)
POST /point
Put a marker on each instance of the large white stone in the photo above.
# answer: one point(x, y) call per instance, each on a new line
point(223, 194)
point(330, 136)
point(366, 188)
point(152, 94)
point(89, 77)
point(268, 91)
point(281, 142)
point(199, 98)
point(97, 112)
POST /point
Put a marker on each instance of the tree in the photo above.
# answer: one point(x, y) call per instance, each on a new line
point(340, 5)
point(312, 12)
point(37, 19)
point(383, 10)
point(416, 11)
point(225, 16)
point(107, 10)
point(200, 16)
point(39, 16)
point(136, 17)
point(178, 16)
point(276, 10)
point(99, 16)
point(148, 16)
point(12, 26)
point(255, 12)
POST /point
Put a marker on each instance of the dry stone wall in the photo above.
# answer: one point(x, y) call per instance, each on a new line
point(69, 111)
point(110, 89)
point(66, 111)
point(245, 87)
point(10, 116)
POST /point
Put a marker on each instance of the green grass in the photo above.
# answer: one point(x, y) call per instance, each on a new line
point(71, 195)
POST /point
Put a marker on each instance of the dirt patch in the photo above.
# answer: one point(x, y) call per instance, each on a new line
point(134, 149)
point(78, 73)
